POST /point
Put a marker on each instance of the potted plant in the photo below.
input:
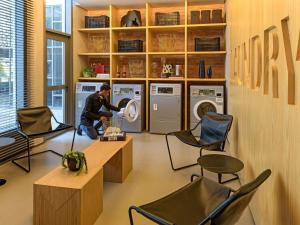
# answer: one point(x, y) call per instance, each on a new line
point(75, 161)
point(87, 72)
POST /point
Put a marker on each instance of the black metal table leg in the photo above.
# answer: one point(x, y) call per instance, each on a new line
point(226, 181)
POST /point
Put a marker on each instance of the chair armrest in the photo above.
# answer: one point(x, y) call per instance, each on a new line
point(23, 134)
point(196, 125)
point(194, 175)
point(150, 216)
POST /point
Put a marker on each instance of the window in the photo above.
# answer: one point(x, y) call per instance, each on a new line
point(12, 61)
point(58, 15)
point(58, 18)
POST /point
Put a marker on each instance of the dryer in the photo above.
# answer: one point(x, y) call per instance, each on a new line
point(165, 107)
point(205, 99)
point(83, 90)
point(122, 94)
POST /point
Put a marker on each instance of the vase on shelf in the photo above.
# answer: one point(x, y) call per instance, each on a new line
point(202, 69)
point(209, 72)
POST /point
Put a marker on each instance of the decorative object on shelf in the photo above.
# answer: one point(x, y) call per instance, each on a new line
point(217, 16)
point(205, 16)
point(195, 17)
point(202, 69)
point(164, 19)
point(136, 68)
point(130, 45)
point(98, 68)
point(87, 72)
point(167, 70)
point(207, 44)
point(178, 70)
point(103, 76)
point(132, 19)
point(96, 21)
point(209, 72)
point(75, 161)
point(98, 43)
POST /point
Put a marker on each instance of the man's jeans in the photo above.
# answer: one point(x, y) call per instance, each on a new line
point(92, 132)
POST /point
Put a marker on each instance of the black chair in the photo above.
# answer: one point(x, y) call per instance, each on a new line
point(200, 202)
point(35, 123)
point(214, 131)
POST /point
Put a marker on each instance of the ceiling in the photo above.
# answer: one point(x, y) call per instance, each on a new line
point(101, 3)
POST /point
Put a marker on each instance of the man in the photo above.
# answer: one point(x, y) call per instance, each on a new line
point(92, 113)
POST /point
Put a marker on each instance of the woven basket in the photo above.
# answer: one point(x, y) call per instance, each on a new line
point(163, 19)
point(96, 21)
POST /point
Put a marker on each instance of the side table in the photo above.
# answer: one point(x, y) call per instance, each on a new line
point(221, 164)
point(5, 141)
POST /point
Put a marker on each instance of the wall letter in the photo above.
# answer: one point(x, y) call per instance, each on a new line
point(255, 42)
point(274, 67)
point(289, 60)
point(298, 51)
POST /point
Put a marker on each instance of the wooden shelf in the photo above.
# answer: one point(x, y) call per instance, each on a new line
point(94, 54)
point(207, 79)
point(166, 79)
point(171, 44)
point(129, 53)
point(94, 30)
point(167, 28)
point(166, 53)
point(129, 79)
point(206, 25)
point(129, 28)
point(92, 79)
point(208, 53)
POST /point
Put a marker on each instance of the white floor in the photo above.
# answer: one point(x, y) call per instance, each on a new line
point(150, 179)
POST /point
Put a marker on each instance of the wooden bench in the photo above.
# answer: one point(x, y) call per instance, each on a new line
point(62, 198)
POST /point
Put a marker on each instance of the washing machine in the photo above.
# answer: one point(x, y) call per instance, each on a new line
point(121, 95)
point(165, 107)
point(83, 90)
point(205, 99)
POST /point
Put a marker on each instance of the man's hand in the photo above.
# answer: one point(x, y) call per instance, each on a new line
point(103, 118)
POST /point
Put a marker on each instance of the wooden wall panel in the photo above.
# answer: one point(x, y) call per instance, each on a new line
point(265, 132)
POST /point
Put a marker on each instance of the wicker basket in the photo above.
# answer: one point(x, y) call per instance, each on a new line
point(130, 46)
point(217, 16)
point(96, 21)
point(205, 16)
point(163, 19)
point(207, 44)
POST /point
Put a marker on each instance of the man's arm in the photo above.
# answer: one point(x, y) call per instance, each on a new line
point(109, 106)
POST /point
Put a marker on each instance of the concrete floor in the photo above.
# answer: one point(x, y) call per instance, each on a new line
point(150, 179)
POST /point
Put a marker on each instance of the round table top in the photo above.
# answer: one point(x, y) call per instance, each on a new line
point(220, 163)
point(4, 141)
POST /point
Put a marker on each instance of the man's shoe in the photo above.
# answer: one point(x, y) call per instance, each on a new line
point(79, 131)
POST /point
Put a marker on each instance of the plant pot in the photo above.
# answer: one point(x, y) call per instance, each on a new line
point(86, 74)
point(72, 164)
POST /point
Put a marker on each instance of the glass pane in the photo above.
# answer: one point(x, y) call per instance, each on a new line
point(56, 102)
point(56, 63)
point(58, 15)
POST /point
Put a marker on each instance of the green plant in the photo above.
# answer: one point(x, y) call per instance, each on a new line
point(87, 72)
point(75, 161)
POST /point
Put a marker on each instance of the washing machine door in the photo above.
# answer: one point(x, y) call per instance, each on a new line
point(130, 109)
point(202, 107)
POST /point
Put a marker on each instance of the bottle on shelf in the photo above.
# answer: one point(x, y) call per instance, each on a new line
point(209, 72)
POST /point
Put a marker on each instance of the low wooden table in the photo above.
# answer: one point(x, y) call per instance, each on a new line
point(62, 198)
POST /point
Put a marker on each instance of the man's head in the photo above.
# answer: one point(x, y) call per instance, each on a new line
point(104, 90)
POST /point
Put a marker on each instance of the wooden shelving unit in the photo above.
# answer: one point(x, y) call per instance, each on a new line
point(182, 51)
